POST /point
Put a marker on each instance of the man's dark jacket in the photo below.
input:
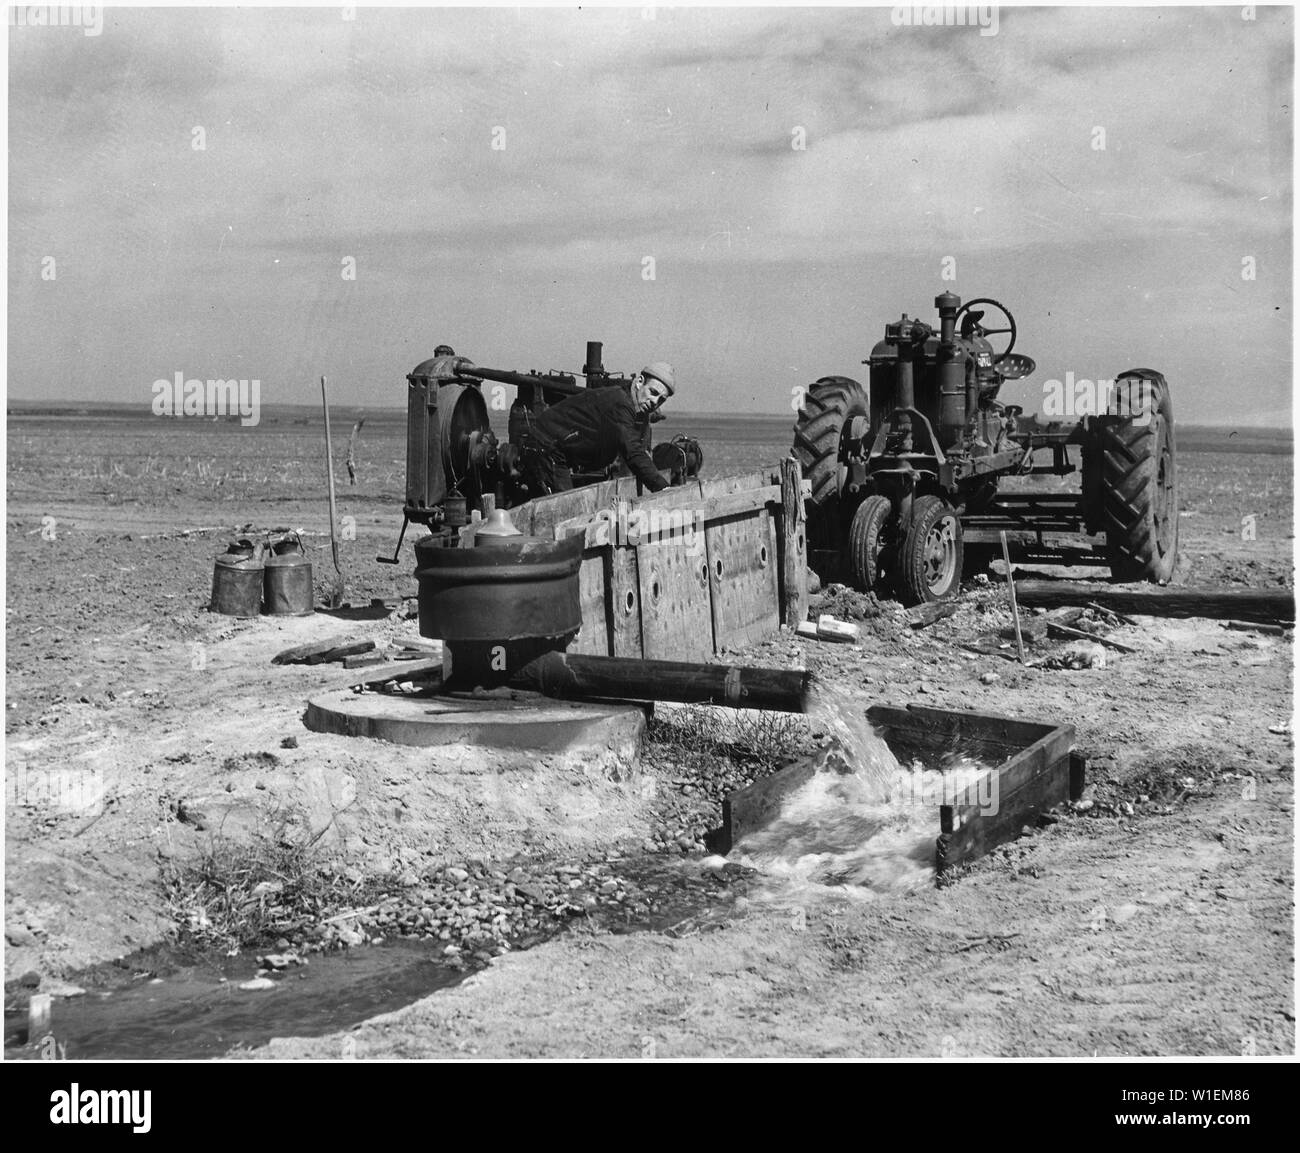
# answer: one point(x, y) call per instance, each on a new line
point(593, 427)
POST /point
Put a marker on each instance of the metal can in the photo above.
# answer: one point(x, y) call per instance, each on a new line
point(288, 588)
point(237, 580)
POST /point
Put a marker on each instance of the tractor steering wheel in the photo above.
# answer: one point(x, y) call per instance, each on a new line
point(1011, 322)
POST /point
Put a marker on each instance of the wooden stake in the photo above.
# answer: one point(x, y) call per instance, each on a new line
point(794, 546)
point(336, 594)
point(352, 451)
point(1011, 592)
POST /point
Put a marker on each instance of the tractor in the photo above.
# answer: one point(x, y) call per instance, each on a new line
point(905, 475)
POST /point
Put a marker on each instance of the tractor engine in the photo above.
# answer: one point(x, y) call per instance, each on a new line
point(949, 378)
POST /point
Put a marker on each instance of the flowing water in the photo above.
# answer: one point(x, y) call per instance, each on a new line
point(158, 1005)
point(865, 823)
point(198, 1011)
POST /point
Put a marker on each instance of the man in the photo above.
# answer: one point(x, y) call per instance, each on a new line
point(592, 428)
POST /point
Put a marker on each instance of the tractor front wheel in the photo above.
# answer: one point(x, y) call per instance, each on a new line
point(930, 553)
point(867, 542)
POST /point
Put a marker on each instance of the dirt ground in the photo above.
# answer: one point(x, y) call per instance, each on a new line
point(137, 724)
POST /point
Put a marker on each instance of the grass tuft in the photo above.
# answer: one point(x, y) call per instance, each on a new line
point(238, 895)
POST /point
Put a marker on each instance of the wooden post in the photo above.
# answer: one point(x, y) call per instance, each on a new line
point(794, 546)
point(352, 451)
point(336, 591)
point(1011, 592)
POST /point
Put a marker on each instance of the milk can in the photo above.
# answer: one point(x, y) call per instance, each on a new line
point(288, 589)
point(237, 579)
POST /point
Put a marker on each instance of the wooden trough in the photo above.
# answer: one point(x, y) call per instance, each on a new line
point(684, 573)
point(1032, 762)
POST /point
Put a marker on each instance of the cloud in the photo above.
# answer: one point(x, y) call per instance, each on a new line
point(673, 137)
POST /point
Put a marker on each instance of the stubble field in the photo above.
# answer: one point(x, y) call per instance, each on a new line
point(118, 675)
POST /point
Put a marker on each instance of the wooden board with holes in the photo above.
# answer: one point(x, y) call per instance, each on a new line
point(625, 603)
point(743, 578)
point(593, 596)
point(665, 538)
point(546, 512)
point(676, 615)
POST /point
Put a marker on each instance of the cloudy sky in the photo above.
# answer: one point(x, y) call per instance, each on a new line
point(1108, 173)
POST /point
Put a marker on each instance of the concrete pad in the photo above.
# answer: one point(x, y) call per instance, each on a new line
point(504, 719)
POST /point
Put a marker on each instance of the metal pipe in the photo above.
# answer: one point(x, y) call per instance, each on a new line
point(594, 367)
point(571, 676)
point(558, 382)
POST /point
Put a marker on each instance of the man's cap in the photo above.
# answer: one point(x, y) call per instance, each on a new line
point(444, 350)
point(662, 371)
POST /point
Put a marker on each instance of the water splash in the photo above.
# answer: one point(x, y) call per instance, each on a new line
point(864, 823)
point(843, 714)
point(834, 831)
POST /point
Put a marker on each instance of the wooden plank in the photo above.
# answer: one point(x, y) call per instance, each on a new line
point(993, 726)
point(548, 511)
point(321, 652)
point(688, 493)
point(976, 834)
point(754, 807)
point(951, 725)
point(1078, 775)
point(937, 745)
point(628, 522)
point(676, 618)
point(363, 660)
point(594, 636)
point(1068, 633)
point(1249, 626)
point(792, 542)
point(741, 555)
point(1040, 757)
point(625, 603)
point(713, 506)
point(741, 482)
point(1170, 600)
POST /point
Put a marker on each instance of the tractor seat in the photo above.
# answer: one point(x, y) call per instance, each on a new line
point(1013, 366)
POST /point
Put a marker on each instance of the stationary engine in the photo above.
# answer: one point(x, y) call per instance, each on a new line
point(453, 458)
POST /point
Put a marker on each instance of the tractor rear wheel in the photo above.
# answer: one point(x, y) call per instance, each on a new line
point(1139, 482)
point(867, 542)
point(930, 552)
point(829, 407)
